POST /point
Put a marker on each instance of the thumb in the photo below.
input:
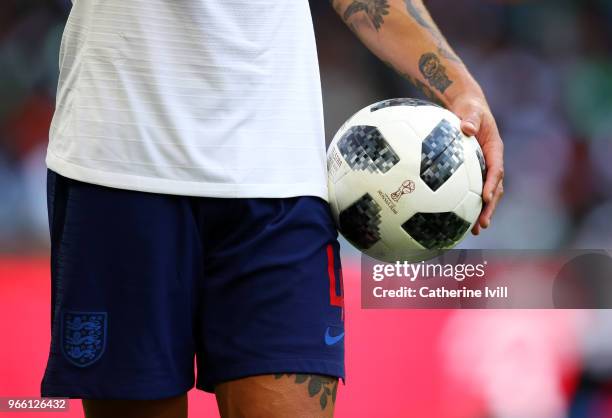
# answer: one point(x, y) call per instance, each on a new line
point(470, 126)
point(471, 117)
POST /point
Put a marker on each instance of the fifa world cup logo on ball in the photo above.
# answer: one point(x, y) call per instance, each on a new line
point(406, 187)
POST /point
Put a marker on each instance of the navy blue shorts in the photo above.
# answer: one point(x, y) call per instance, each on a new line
point(142, 283)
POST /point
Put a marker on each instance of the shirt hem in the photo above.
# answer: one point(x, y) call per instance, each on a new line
point(179, 187)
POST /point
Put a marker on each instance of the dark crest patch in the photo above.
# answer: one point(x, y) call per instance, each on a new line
point(360, 222)
point(441, 154)
point(400, 102)
point(364, 148)
point(436, 230)
point(83, 336)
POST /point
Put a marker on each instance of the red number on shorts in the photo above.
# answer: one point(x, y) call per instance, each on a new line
point(334, 298)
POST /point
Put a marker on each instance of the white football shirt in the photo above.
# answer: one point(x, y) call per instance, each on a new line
point(216, 98)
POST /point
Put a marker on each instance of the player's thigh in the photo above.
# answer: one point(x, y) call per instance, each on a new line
point(123, 264)
point(278, 396)
point(175, 407)
point(272, 295)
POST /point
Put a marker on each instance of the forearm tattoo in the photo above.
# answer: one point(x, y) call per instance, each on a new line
point(421, 87)
point(425, 91)
point(434, 71)
point(374, 9)
point(322, 386)
point(417, 15)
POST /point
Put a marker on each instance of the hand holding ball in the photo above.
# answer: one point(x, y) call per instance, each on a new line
point(404, 181)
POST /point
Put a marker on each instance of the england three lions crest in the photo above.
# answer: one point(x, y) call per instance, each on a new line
point(83, 336)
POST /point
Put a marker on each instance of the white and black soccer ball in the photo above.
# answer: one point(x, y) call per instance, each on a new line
point(404, 181)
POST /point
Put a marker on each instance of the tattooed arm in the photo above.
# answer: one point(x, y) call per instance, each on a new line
point(404, 36)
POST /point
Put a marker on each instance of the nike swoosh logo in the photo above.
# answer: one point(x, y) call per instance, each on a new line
point(331, 340)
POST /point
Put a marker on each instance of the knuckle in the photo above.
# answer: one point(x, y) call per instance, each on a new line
point(475, 103)
point(473, 106)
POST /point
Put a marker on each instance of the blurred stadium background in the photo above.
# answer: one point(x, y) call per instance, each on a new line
point(546, 67)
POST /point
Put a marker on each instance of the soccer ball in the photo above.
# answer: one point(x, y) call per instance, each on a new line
point(404, 182)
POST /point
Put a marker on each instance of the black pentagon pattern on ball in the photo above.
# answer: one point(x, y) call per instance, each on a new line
point(441, 154)
point(436, 230)
point(364, 148)
point(360, 222)
point(400, 102)
point(481, 161)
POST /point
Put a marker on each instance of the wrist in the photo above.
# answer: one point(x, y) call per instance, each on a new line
point(463, 87)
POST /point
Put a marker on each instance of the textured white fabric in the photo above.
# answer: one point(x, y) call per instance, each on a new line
point(214, 98)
